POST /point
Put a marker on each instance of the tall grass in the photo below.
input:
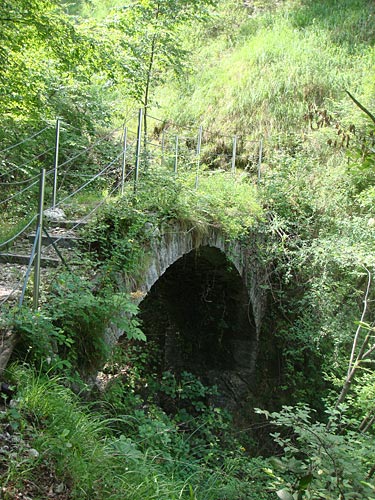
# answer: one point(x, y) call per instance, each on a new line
point(277, 63)
point(78, 444)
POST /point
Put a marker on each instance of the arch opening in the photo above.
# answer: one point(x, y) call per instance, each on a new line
point(199, 317)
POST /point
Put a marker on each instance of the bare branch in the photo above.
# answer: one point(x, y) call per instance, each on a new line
point(354, 365)
point(365, 110)
point(355, 342)
point(367, 353)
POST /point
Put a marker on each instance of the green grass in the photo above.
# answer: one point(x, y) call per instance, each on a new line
point(222, 199)
point(261, 83)
point(11, 226)
point(77, 446)
point(81, 203)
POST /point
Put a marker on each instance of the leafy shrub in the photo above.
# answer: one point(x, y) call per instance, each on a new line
point(70, 332)
point(320, 460)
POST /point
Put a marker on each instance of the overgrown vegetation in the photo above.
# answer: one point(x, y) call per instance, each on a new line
point(279, 71)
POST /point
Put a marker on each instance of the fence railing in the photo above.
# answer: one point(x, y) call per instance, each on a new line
point(170, 147)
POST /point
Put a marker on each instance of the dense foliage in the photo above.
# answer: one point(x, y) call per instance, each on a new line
point(276, 71)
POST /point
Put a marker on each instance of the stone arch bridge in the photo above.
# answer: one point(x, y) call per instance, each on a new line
point(201, 300)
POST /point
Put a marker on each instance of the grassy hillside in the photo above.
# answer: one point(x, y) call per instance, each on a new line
point(265, 62)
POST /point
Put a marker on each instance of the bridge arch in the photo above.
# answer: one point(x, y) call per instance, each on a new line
point(199, 314)
point(200, 300)
point(173, 241)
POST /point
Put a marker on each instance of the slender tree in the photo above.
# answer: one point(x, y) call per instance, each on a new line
point(151, 40)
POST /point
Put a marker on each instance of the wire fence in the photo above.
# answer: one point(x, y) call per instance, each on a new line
point(29, 138)
point(107, 162)
point(20, 233)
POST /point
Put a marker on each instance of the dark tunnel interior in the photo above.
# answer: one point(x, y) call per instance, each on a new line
point(199, 315)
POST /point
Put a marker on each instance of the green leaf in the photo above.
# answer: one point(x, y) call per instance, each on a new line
point(65, 433)
point(278, 464)
point(305, 482)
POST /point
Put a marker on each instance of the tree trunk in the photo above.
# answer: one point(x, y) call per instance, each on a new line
point(148, 79)
point(147, 88)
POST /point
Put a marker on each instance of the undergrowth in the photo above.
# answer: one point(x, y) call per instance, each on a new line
point(125, 444)
point(119, 236)
point(126, 450)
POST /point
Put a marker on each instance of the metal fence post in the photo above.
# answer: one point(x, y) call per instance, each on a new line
point(56, 162)
point(138, 151)
point(123, 166)
point(176, 156)
point(162, 147)
point(39, 242)
point(27, 275)
point(234, 153)
point(260, 158)
point(199, 145)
